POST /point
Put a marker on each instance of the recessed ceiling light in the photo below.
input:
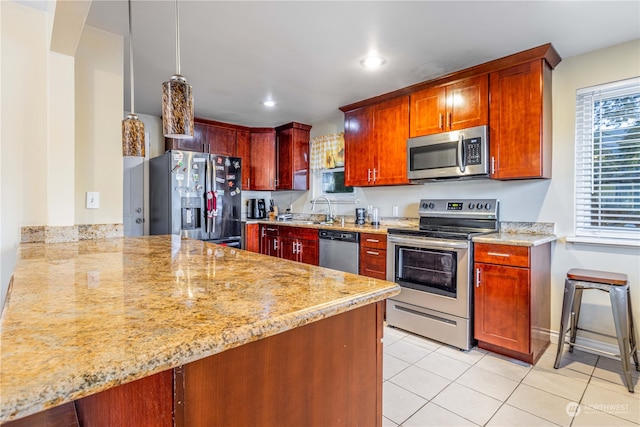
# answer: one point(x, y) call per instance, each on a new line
point(269, 103)
point(373, 61)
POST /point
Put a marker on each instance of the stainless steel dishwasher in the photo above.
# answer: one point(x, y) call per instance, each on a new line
point(340, 250)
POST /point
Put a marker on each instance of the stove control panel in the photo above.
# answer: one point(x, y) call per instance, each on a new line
point(472, 208)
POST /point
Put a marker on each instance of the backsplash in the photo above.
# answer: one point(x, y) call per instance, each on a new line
point(528, 227)
point(72, 233)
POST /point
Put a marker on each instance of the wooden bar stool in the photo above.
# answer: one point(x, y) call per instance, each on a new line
point(618, 287)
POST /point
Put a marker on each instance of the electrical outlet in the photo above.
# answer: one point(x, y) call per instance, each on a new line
point(93, 200)
point(394, 211)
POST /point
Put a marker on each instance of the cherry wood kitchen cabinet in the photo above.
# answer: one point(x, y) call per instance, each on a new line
point(451, 106)
point(187, 144)
point(292, 142)
point(269, 240)
point(373, 255)
point(263, 159)
point(300, 244)
point(512, 292)
point(244, 152)
point(376, 144)
point(252, 237)
point(520, 126)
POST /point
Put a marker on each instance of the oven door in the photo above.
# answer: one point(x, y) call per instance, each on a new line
point(432, 273)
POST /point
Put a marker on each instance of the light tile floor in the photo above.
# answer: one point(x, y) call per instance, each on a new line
point(427, 383)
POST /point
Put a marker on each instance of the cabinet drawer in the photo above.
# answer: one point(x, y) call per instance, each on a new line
point(373, 263)
point(299, 232)
point(269, 230)
point(517, 256)
point(373, 240)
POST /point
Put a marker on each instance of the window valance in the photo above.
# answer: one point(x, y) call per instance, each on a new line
point(327, 151)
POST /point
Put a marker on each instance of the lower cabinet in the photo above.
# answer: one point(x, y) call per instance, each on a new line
point(292, 243)
point(269, 242)
point(252, 237)
point(512, 292)
point(373, 255)
point(300, 244)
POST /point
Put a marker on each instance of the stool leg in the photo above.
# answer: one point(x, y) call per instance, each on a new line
point(633, 341)
point(575, 316)
point(567, 306)
point(619, 307)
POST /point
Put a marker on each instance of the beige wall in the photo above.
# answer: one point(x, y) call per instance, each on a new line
point(23, 136)
point(98, 150)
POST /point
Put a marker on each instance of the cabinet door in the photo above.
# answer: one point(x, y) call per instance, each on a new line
point(391, 130)
point(502, 308)
point(244, 152)
point(468, 103)
point(252, 238)
point(427, 111)
point(358, 137)
point(289, 248)
point(189, 144)
point(263, 172)
point(520, 140)
point(373, 263)
point(222, 140)
point(309, 252)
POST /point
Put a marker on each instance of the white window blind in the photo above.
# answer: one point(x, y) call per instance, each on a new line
point(608, 160)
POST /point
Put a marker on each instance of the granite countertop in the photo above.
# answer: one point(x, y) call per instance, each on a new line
point(86, 316)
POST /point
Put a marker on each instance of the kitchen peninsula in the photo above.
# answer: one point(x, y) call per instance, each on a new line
point(159, 330)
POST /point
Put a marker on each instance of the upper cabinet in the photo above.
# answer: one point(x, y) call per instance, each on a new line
point(244, 152)
point(520, 126)
point(263, 159)
point(376, 143)
point(453, 106)
point(511, 94)
point(292, 141)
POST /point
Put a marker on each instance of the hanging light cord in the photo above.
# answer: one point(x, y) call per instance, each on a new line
point(131, 58)
point(177, 39)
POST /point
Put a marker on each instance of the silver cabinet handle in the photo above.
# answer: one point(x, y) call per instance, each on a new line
point(374, 175)
point(498, 254)
point(272, 229)
point(493, 165)
point(440, 120)
point(373, 253)
point(368, 175)
point(294, 247)
point(275, 244)
point(373, 241)
point(248, 182)
point(477, 277)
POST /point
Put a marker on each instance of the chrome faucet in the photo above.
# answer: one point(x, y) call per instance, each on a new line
point(329, 216)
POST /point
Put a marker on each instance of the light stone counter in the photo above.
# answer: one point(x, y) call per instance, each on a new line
point(85, 316)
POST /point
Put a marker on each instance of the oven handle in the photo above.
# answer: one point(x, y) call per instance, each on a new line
point(421, 241)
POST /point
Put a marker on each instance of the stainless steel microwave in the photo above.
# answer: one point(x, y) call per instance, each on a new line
point(461, 154)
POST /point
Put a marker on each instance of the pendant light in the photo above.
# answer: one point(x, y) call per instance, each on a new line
point(132, 128)
point(177, 99)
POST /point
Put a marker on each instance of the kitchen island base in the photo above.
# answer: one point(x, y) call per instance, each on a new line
point(324, 373)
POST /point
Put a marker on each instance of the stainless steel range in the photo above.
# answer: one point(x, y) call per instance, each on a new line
point(433, 265)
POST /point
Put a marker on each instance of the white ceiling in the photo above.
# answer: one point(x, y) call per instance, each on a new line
point(306, 54)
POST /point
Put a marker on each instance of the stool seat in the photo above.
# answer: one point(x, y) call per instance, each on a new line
point(617, 286)
point(605, 277)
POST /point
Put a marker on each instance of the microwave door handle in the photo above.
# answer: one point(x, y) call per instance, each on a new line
point(461, 156)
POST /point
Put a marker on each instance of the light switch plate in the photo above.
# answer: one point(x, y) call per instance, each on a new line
point(93, 200)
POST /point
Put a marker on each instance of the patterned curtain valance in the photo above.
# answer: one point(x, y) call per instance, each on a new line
point(327, 151)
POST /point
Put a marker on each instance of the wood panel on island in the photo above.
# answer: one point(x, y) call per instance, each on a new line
point(512, 293)
point(512, 95)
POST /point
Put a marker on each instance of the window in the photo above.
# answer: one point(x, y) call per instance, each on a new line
point(333, 182)
point(608, 160)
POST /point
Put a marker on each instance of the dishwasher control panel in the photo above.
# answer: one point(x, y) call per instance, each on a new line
point(343, 236)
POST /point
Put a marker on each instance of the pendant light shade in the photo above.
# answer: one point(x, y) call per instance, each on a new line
point(132, 128)
point(132, 136)
point(177, 99)
point(177, 108)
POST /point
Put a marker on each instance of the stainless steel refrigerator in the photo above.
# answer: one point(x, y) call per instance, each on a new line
point(196, 195)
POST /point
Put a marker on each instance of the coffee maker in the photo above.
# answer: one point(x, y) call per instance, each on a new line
point(256, 209)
